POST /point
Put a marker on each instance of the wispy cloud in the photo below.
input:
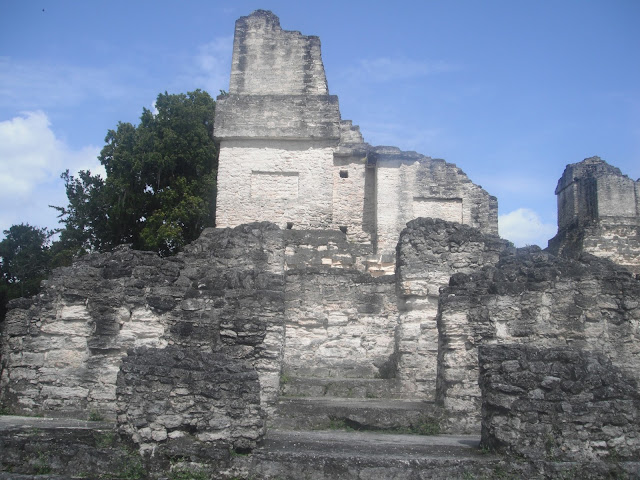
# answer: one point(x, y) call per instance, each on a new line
point(396, 134)
point(210, 68)
point(32, 85)
point(386, 69)
point(525, 227)
point(31, 160)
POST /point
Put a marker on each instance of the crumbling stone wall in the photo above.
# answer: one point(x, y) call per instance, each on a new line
point(270, 61)
point(288, 183)
point(287, 156)
point(598, 213)
point(180, 399)
point(353, 200)
point(61, 350)
point(429, 252)
point(276, 129)
point(409, 185)
point(561, 404)
point(340, 321)
point(234, 303)
point(532, 297)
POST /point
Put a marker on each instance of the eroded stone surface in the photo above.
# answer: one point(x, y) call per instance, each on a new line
point(168, 395)
point(287, 156)
point(558, 403)
point(62, 350)
point(598, 213)
point(340, 321)
point(532, 297)
point(430, 251)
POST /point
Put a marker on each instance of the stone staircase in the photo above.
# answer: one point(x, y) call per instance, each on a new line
point(340, 455)
point(356, 404)
point(293, 449)
point(346, 428)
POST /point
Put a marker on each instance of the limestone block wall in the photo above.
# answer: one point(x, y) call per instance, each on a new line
point(353, 202)
point(560, 404)
point(184, 400)
point(608, 238)
point(270, 61)
point(409, 186)
point(340, 322)
point(598, 213)
point(61, 350)
point(284, 182)
point(283, 117)
point(234, 304)
point(430, 251)
point(617, 197)
point(534, 298)
point(593, 189)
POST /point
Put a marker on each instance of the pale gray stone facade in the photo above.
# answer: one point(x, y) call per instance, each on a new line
point(286, 155)
point(598, 213)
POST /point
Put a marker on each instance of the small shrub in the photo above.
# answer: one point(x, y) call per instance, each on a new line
point(41, 466)
point(95, 416)
point(130, 467)
point(187, 473)
point(427, 427)
point(105, 439)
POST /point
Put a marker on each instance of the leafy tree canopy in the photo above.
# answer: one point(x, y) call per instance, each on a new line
point(24, 262)
point(159, 192)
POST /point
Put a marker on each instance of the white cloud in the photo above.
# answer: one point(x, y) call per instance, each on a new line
point(211, 66)
point(525, 227)
point(31, 160)
point(385, 69)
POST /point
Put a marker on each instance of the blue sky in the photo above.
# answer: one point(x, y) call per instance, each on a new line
point(510, 91)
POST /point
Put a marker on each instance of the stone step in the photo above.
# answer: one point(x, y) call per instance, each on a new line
point(339, 455)
point(292, 386)
point(64, 448)
point(320, 413)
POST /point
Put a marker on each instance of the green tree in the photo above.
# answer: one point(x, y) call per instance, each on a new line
point(24, 262)
point(85, 217)
point(159, 191)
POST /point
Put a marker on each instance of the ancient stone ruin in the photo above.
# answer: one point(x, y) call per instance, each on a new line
point(348, 290)
point(286, 155)
point(598, 213)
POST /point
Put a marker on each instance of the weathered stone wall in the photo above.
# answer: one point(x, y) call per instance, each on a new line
point(279, 117)
point(270, 61)
point(183, 399)
point(61, 350)
point(353, 199)
point(598, 213)
point(409, 185)
point(559, 404)
point(286, 155)
point(429, 252)
point(285, 182)
point(535, 298)
point(593, 189)
point(234, 303)
point(606, 238)
point(340, 322)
